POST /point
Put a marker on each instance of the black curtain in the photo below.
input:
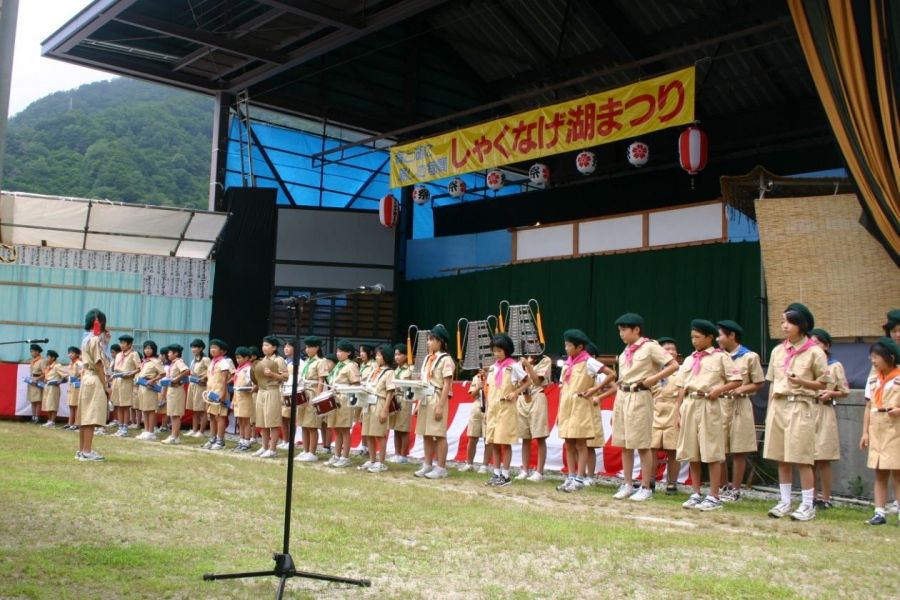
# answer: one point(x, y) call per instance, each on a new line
point(245, 267)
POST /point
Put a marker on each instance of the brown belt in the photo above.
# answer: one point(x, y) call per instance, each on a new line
point(633, 387)
point(795, 397)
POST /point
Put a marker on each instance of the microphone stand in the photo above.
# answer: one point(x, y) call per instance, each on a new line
point(284, 563)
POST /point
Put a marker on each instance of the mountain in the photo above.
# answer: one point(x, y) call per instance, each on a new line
point(122, 140)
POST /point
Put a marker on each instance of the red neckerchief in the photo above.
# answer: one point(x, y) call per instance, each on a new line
point(793, 352)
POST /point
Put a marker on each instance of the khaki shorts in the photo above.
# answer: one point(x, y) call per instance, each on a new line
point(148, 400)
point(532, 417)
point(633, 420)
point(475, 428)
point(217, 410)
point(598, 440)
point(342, 418)
point(665, 434)
point(791, 431)
point(307, 416)
point(884, 441)
point(72, 396)
point(402, 419)
point(122, 393)
point(35, 394)
point(701, 437)
point(828, 445)
point(92, 402)
point(268, 408)
point(175, 401)
point(501, 423)
point(575, 420)
point(371, 423)
point(50, 399)
point(195, 397)
point(740, 428)
point(425, 422)
point(243, 405)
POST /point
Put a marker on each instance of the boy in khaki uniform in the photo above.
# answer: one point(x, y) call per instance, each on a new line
point(828, 446)
point(345, 372)
point(702, 379)
point(641, 366)
point(533, 415)
point(506, 381)
point(798, 370)
point(665, 430)
point(434, 404)
point(312, 380)
point(175, 393)
point(35, 382)
point(54, 374)
point(401, 420)
point(737, 408)
point(125, 366)
point(603, 387)
point(221, 369)
point(196, 387)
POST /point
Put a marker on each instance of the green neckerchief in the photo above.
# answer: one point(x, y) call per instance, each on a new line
point(400, 370)
point(307, 365)
point(337, 369)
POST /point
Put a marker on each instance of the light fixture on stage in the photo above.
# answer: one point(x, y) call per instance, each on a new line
point(284, 563)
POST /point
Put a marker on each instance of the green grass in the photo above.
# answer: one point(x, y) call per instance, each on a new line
point(150, 521)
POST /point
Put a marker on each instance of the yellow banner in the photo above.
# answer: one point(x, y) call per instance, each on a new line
point(622, 113)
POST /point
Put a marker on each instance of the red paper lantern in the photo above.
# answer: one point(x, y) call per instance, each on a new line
point(388, 211)
point(495, 180)
point(638, 154)
point(692, 149)
point(586, 162)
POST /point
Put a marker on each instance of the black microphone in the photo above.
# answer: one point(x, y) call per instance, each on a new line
point(374, 290)
point(40, 341)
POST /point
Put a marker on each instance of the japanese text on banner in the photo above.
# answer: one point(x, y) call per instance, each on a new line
point(622, 113)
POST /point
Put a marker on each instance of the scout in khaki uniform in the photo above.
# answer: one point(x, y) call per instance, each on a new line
point(376, 411)
point(345, 372)
point(575, 419)
point(221, 368)
point(270, 372)
point(400, 421)
point(665, 430)
point(290, 355)
point(325, 433)
point(92, 401)
point(798, 370)
point(312, 380)
point(702, 379)
point(737, 408)
point(642, 365)
point(506, 380)
point(148, 377)
point(533, 415)
point(881, 423)
point(74, 378)
point(434, 404)
point(366, 363)
point(603, 387)
point(54, 374)
point(478, 390)
point(162, 395)
point(196, 387)
point(175, 394)
point(828, 447)
point(35, 381)
point(126, 365)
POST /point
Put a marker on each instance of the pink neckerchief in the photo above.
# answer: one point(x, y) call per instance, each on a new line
point(630, 349)
point(792, 352)
point(498, 367)
point(698, 356)
point(245, 366)
point(212, 364)
point(572, 361)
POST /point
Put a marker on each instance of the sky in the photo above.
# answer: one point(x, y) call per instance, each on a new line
point(34, 76)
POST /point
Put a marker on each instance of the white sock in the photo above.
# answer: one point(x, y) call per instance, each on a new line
point(879, 510)
point(808, 496)
point(497, 472)
point(505, 473)
point(785, 489)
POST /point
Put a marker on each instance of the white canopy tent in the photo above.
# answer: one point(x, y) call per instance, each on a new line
point(59, 222)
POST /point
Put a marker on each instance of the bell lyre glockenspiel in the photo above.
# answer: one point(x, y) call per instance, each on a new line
point(473, 342)
point(522, 322)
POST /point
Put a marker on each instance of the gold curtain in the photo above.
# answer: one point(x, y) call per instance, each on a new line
point(834, 35)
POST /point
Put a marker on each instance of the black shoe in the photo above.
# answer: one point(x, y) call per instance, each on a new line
point(822, 504)
point(493, 480)
point(502, 481)
point(878, 519)
point(671, 489)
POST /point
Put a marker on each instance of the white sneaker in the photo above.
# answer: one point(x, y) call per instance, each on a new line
point(804, 512)
point(121, 433)
point(342, 463)
point(259, 452)
point(268, 454)
point(365, 466)
point(99, 431)
point(893, 508)
point(219, 445)
point(642, 495)
point(436, 473)
point(283, 445)
point(402, 460)
point(425, 470)
point(307, 457)
point(331, 460)
point(536, 476)
point(171, 440)
point(588, 481)
point(147, 436)
point(465, 468)
point(693, 502)
point(625, 490)
point(782, 509)
point(523, 474)
point(709, 503)
point(135, 426)
point(483, 469)
point(49, 425)
point(377, 467)
point(91, 456)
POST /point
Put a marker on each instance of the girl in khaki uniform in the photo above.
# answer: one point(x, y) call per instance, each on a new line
point(506, 380)
point(798, 370)
point(665, 431)
point(175, 395)
point(126, 365)
point(533, 415)
point(271, 372)
point(74, 378)
point(366, 366)
point(434, 404)
point(400, 421)
point(290, 355)
point(35, 382)
point(376, 416)
point(148, 377)
point(221, 368)
point(881, 423)
point(702, 379)
point(242, 403)
point(828, 447)
point(54, 374)
point(345, 372)
point(603, 388)
point(312, 380)
point(196, 387)
point(92, 401)
point(641, 366)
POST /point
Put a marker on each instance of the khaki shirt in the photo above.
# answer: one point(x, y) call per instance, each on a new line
point(750, 366)
point(716, 368)
point(380, 382)
point(838, 378)
point(647, 360)
point(200, 367)
point(218, 375)
point(403, 372)
point(812, 364)
point(581, 379)
point(54, 372)
point(91, 354)
point(177, 367)
point(152, 368)
point(347, 373)
point(129, 362)
point(37, 367)
point(313, 369)
point(436, 368)
point(542, 369)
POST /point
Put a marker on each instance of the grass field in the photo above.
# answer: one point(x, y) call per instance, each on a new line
point(152, 519)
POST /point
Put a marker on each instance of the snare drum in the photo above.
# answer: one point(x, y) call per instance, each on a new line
point(325, 403)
